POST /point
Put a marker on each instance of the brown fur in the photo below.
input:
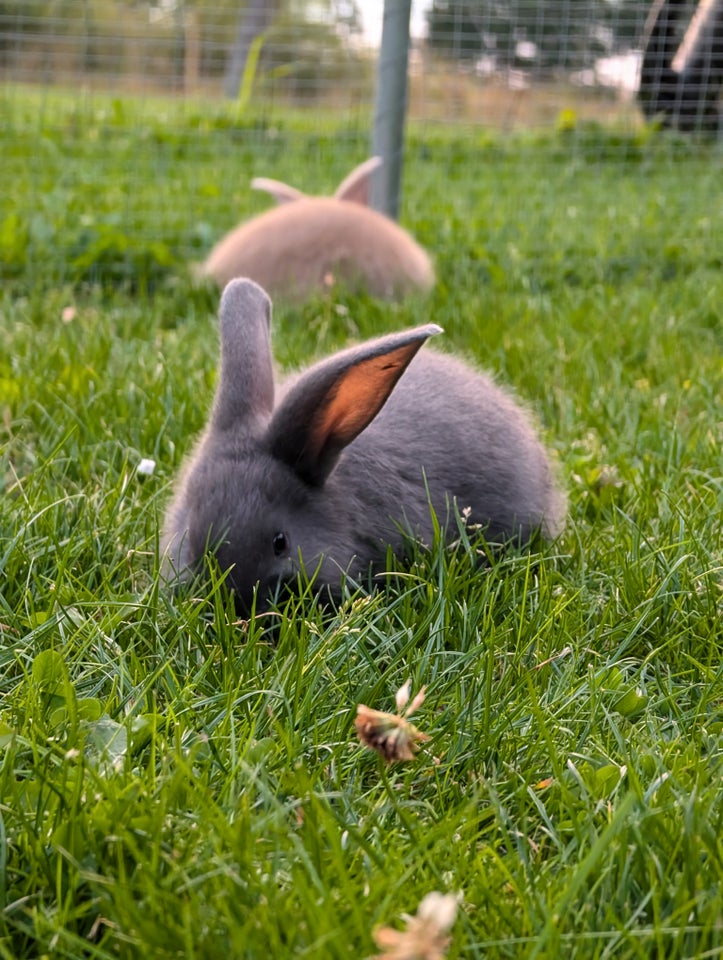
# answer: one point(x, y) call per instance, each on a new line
point(308, 244)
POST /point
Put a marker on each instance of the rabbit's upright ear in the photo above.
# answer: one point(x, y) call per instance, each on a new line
point(246, 384)
point(281, 192)
point(335, 400)
point(354, 188)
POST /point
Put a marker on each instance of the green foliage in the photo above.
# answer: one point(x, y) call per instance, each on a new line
point(107, 254)
point(176, 782)
point(306, 51)
point(94, 37)
point(308, 60)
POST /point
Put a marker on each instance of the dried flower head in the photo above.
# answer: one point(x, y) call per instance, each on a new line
point(426, 935)
point(391, 734)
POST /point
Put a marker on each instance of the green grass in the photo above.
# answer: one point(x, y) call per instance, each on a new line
point(175, 783)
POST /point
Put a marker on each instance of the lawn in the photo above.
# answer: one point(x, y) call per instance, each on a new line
point(175, 782)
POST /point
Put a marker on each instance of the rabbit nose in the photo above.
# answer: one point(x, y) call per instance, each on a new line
point(258, 597)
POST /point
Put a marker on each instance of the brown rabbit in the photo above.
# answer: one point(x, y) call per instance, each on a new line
point(307, 244)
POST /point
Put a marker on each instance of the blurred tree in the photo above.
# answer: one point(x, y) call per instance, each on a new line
point(306, 44)
point(541, 33)
point(305, 48)
point(309, 59)
point(254, 20)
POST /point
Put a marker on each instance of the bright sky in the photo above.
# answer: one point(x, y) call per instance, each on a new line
point(373, 10)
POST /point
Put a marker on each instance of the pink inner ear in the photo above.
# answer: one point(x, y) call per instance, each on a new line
point(359, 397)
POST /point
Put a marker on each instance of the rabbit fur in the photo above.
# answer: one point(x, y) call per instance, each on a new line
point(307, 244)
point(350, 454)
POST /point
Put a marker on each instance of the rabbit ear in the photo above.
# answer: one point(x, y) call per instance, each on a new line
point(246, 384)
point(355, 187)
point(281, 192)
point(333, 402)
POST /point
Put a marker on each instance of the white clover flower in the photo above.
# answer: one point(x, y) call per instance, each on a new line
point(426, 935)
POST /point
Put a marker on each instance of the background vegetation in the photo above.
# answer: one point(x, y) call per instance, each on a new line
point(174, 782)
point(323, 50)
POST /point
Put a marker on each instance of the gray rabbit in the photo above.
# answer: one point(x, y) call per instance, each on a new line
point(352, 451)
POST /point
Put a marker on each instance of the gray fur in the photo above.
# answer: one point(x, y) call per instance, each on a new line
point(337, 467)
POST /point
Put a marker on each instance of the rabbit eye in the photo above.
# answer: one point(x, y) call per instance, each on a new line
point(281, 544)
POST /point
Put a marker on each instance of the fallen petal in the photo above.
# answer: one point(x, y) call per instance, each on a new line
point(402, 696)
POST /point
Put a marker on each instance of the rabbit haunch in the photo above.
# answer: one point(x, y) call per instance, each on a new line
point(354, 448)
point(308, 243)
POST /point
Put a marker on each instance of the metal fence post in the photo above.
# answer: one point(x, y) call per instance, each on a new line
point(391, 106)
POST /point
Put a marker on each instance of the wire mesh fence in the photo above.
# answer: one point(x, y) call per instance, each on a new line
point(479, 61)
point(206, 79)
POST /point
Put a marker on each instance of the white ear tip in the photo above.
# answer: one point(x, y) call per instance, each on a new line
point(369, 166)
point(242, 296)
point(266, 184)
